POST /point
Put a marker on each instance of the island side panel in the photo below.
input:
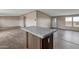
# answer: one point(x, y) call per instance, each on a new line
point(34, 42)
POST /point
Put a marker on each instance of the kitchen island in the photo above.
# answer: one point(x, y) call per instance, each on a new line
point(39, 37)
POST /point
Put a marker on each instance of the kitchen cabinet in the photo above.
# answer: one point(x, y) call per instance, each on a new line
point(39, 38)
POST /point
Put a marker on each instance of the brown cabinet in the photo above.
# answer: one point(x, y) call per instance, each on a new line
point(34, 42)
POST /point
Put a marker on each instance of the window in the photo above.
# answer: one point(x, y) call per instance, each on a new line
point(68, 21)
point(54, 22)
point(76, 21)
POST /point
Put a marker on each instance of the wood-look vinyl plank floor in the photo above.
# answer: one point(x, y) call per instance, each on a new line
point(12, 39)
point(66, 40)
point(16, 39)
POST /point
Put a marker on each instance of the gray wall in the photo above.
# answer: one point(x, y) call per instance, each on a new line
point(21, 21)
point(36, 18)
point(43, 20)
point(9, 21)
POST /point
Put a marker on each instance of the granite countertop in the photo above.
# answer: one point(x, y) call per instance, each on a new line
point(39, 31)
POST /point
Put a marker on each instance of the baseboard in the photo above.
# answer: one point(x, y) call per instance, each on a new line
point(64, 29)
point(6, 28)
point(68, 30)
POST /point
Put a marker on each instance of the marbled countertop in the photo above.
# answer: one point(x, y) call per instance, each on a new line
point(39, 31)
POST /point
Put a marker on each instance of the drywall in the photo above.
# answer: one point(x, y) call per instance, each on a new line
point(61, 22)
point(21, 21)
point(27, 19)
point(43, 20)
point(30, 19)
point(9, 21)
point(35, 18)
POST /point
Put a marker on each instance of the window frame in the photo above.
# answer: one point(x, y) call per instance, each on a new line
point(71, 22)
point(74, 22)
point(54, 22)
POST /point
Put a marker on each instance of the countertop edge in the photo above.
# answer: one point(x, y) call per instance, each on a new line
point(37, 34)
point(32, 33)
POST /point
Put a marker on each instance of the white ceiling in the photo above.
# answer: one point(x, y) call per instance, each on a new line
point(51, 12)
point(14, 12)
point(60, 12)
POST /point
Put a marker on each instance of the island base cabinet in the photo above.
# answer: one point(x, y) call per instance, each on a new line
point(34, 42)
point(47, 43)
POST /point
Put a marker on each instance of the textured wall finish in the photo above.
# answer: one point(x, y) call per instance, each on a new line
point(9, 21)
